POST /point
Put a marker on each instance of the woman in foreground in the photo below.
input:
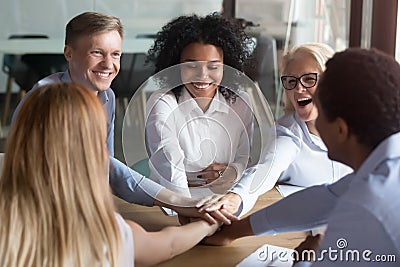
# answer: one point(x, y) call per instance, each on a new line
point(55, 203)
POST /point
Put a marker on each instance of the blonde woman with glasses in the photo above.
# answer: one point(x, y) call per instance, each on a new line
point(298, 156)
point(55, 202)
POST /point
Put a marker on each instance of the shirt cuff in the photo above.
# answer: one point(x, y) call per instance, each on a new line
point(142, 190)
point(130, 185)
point(150, 189)
point(248, 200)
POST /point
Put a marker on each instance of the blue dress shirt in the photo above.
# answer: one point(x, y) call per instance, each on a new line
point(361, 211)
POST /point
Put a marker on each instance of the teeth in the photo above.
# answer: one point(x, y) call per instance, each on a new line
point(103, 74)
point(304, 101)
point(201, 86)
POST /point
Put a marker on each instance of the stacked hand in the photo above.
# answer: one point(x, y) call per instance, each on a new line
point(186, 207)
point(217, 209)
point(229, 203)
point(213, 217)
point(223, 236)
point(307, 249)
point(214, 208)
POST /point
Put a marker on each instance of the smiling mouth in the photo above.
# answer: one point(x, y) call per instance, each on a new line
point(102, 74)
point(202, 85)
point(304, 101)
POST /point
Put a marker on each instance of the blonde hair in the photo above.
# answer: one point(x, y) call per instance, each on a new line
point(55, 203)
point(318, 51)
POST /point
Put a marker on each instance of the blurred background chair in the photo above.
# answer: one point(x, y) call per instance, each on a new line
point(133, 72)
point(25, 70)
point(142, 167)
point(262, 68)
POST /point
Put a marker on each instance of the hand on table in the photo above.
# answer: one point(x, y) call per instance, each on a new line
point(186, 207)
point(311, 243)
point(220, 238)
point(229, 233)
point(213, 217)
point(229, 203)
point(213, 227)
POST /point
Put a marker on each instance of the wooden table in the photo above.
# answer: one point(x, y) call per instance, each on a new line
point(152, 219)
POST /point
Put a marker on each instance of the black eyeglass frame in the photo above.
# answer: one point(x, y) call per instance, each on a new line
point(298, 79)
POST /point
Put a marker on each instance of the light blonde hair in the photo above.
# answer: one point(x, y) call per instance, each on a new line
point(318, 51)
point(55, 204)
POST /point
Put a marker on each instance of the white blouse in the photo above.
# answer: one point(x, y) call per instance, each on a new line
point(297, 157)
point(126, 253)
point(181, 138)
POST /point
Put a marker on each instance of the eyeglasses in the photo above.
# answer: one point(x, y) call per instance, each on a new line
point(307, 80)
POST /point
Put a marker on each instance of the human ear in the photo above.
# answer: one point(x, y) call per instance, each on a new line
point(67, 52)
point(342, 130)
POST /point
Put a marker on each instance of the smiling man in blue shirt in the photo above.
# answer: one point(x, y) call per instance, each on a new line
point(358, 100)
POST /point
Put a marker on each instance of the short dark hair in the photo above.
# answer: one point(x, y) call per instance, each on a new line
point(89, 23)
point(362, 87)
point(212, 29)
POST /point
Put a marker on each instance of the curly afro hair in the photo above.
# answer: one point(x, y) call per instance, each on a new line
point(212, 29)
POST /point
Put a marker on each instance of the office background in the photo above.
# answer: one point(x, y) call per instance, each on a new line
point(288, 22)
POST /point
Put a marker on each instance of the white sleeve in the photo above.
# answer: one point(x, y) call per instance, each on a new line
point(126, 252)
point(166, 156)
point(262, 177)
point(245, 142)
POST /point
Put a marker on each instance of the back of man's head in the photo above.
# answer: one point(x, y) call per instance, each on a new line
point(363, 88)
point(90, 23)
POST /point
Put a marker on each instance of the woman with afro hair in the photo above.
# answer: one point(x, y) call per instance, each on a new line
point(200, 123)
